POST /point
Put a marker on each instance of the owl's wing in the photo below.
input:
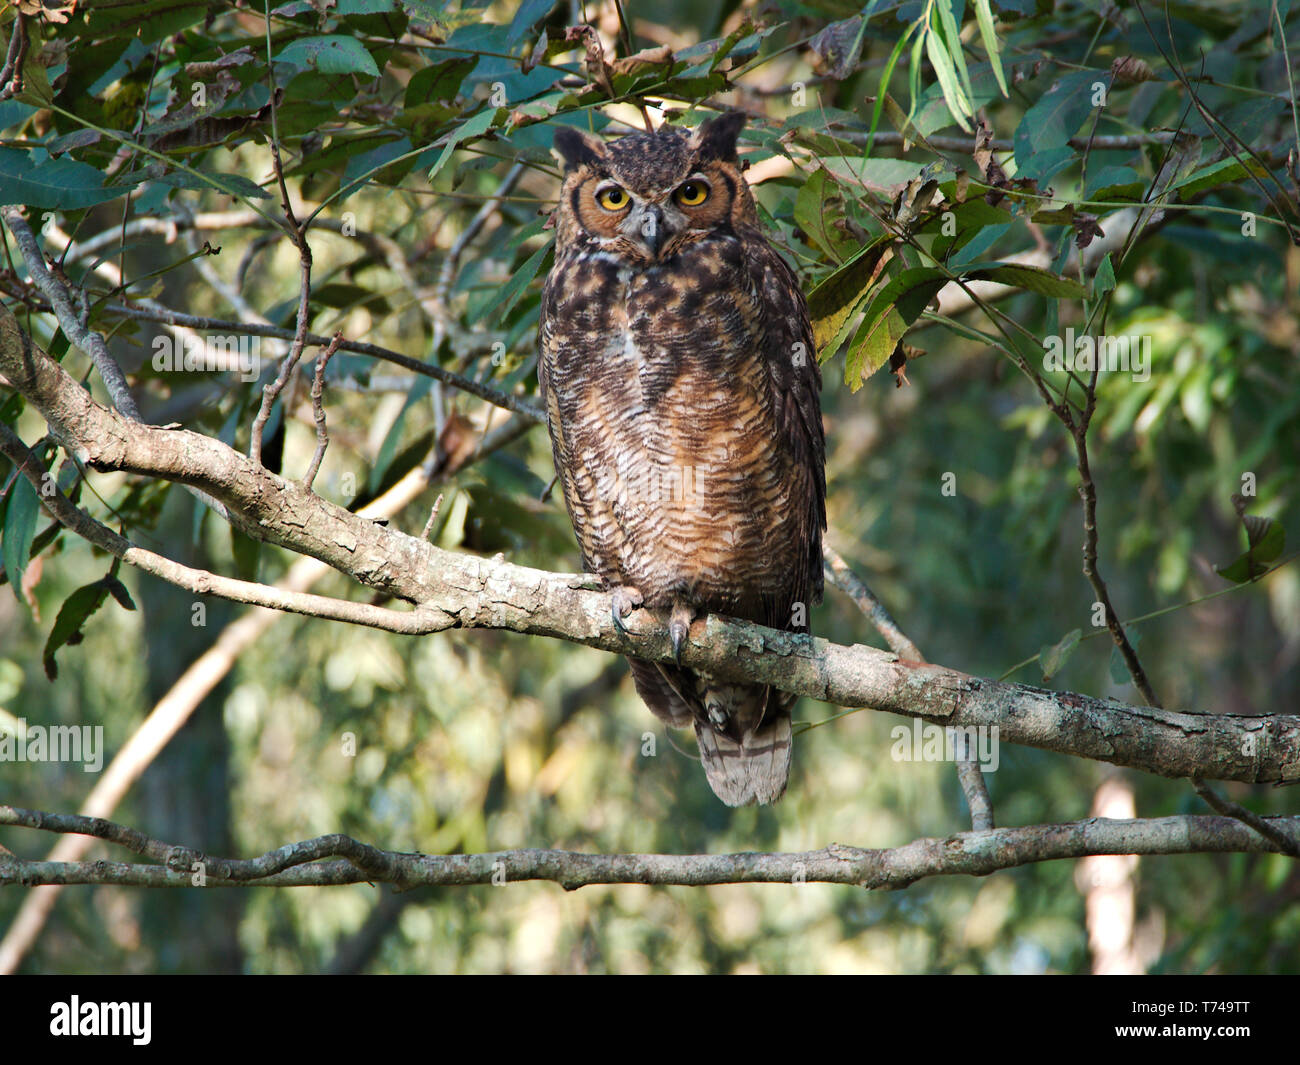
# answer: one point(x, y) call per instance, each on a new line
point(577, 427)
point(796, 385)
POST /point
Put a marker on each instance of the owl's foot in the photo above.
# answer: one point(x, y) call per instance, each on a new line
point(625, 599)
point(717, 713)
point(679, 627)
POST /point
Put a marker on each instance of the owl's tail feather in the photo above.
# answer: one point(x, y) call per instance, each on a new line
point(743, 730)
point(754, 769)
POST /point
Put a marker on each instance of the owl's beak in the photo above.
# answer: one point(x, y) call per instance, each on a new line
point(649, 227)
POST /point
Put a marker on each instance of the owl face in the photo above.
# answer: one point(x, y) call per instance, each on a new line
point(645, 196)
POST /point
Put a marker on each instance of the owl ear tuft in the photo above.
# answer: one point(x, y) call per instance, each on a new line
point(716, 139)
point(576, 148)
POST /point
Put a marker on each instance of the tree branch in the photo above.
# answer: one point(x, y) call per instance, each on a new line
point(305, 863)
point(461, 591)
point(87, 340)
point(504, 400)
point(969, 774)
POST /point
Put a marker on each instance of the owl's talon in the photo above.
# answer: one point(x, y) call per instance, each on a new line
point(624, 600)
point(679, 627)
point(718, 716)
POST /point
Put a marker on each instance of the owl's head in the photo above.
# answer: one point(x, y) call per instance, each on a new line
point(646, 195)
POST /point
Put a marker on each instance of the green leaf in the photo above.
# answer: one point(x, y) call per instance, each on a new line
point(77, 609)
point(1103, 280)
point(1031, 279)
point(1057, 116)
point(473, 127)
point(882, 93)
point(891, 311)
point(118, 590)
point(880, 175)
point(984, 13)
point(510, 292)
point(231, 184)
point(970, 219)
point(331, 54)
point(834, 299)
point(379, 471)
point(1267, 539)
point(529, 13)
point(441, 82)
point(1224, 172)
point(1111, 182)
point(19, 529)
point(952, 45)
point(914, 71)
point(430, 11)
point(246, 552)
point(1053, 656)
point(57, 184)
point(811, 214)
point(953, 96)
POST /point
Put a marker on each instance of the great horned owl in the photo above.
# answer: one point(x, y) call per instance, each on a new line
point(682, 389)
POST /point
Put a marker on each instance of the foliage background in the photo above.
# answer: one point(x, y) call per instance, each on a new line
point(484, 741)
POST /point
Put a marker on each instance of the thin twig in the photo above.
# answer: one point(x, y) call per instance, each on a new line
point(298, 234)
point(433, 516)
point(318, 409)
point(1088, 493)
point(435, 306)
point(504, 400)
point(11, 74)
point(969, 775)
point(201, 582)
point(1227, 807)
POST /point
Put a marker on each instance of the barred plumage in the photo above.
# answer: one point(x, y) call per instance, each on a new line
point(681, 384)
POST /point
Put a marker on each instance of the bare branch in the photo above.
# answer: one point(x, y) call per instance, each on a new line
point(11, 74)
point(1088, 493)
point(298, 232)
point(436, 305)
point(304, 863)
point(318, 409)
point(71, 323)
point(1262, 825)
point(198, 581)
point(969, 775)
point(433, 516)
point(504, 400)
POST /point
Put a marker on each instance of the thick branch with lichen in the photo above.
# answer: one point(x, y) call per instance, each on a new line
point(453, 590)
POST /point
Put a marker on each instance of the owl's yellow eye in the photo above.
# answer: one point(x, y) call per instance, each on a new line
point(612, 198)
point(692, 193)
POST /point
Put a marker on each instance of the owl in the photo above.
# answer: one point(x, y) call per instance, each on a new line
point(683, 397)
